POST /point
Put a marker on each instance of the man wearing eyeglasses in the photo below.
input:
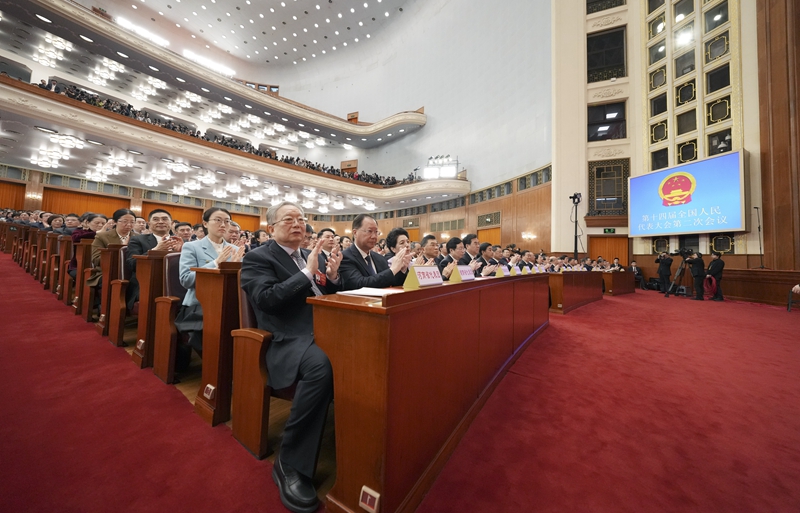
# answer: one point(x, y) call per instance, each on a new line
point(159, 239)
point(277, 279)
point(362, 267)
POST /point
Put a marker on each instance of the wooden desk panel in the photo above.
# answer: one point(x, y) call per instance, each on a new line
point(571, 290)
point(619, 282)
point(411, 371)
point(523, 303)
point(109, 268)
point(759, 285)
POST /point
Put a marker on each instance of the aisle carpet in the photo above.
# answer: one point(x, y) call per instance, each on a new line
point(83, 430)
point(632, 404)
point(640, 404)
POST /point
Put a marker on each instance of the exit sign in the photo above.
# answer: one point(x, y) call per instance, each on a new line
point(609, 230)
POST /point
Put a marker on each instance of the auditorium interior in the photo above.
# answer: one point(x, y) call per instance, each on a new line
point(525, 122)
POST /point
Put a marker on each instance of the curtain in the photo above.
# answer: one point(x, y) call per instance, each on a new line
point(12, 195)
point(178, 212)
point(67, 202)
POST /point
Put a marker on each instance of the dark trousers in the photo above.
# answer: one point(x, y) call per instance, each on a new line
point(664, 281)
point(698, 286)
point(718, 293)
point(302, 435)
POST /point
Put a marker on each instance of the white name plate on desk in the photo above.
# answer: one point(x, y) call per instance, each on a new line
point(465, 273)
point(422, 276)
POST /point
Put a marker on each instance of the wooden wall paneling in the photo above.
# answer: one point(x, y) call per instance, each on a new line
point(66, 202)
point(490, 235)
point(12, 195)
point(778, 23)
point(247, 221)
point(532, 215)
point(180, 212)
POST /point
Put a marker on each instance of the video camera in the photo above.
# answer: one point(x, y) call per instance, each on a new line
point(684, 253)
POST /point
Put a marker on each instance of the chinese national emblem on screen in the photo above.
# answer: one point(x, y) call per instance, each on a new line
point(677, 189)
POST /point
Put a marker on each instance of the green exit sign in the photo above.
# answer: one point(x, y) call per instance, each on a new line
point(609, 230)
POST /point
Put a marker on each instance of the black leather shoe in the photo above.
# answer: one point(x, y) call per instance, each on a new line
point(297, 492)
point(697, 299)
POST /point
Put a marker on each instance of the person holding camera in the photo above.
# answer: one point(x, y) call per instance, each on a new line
point(698, 268)
point(664, 262)
point(715, 268)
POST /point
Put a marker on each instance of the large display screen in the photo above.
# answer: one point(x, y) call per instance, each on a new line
point(700, 197)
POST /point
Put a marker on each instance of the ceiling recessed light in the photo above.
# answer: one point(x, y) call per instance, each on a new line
point(43, 18)
point(284, 119)
point(248, 106)
point(153, 68)
point(179, 79)
point(221, 173)
point(135, 152)
point(45, 130)
point(122, 55)
point(86, 38)
point(205, 90)
point(96, 143)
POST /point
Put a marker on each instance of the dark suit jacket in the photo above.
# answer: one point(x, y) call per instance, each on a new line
point(277, 289)
point(465, 260)
point(637, 272)
point(138, 245)
point(715, 268)
point(354, 273)
point(444, 263)
point(698, 267)
point(664, 266)
point(438, 259)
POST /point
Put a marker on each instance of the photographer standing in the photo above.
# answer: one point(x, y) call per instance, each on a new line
point(715, 270)
point(698, 273)
point(664, 262)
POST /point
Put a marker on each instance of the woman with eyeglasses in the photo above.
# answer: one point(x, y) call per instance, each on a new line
point(207, 252)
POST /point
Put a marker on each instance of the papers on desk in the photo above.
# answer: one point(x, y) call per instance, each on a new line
point(370, 292)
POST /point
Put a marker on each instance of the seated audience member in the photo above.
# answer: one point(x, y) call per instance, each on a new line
point(395, 241)
point(442, 253)
point(199, 231)
point(184, 231)
point(159, 239)
point(93, 223)
point(308, 236)
point(23, 219)
point(208, 252)
point(416, 250)
point(455, 252)
point(56, 223)
point(486, 256)
point(498, 256)
point(327, 236)
point(527, 259)
point(140, 226)
point(346, 242)
point(430, 250)
point(71, 222)
point(259, 238)
point(472, 249)
point(118, 233)
point(363, 267)
point(638, 276)
point(278, 278)
point(616, 266)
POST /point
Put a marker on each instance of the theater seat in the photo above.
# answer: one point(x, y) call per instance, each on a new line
point(251, 392)
point(165, 343)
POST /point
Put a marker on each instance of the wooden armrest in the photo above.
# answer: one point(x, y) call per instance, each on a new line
point(251, 394)
point(165, 342)
point(117, 310)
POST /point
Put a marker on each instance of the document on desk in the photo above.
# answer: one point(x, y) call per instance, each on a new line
point(370, 292)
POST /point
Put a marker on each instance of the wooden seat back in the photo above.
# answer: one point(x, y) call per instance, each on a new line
point(165, 342)
point(117, 305)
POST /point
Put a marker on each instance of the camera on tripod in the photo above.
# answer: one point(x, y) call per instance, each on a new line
point(684, 253)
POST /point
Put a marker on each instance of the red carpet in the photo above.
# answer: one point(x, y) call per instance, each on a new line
point(640, 404)
point(83, 430)
point(632, 404)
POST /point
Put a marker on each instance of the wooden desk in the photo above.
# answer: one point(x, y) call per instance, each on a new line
point(150, 274)
point(218, 293)
point(573, 289)
point(619, 282)
point(411, 371)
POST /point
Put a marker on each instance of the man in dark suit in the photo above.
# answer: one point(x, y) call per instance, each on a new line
point(472, 249)
point(159, 239)
point(664, 262)
point(362, 267)
point(616, 266)
point(430, 251)
point(637, 272)
point(455, 250)
point(484, 261)
point(715, 270)
point(328, 236)
point(698, 268)
point(278, 278)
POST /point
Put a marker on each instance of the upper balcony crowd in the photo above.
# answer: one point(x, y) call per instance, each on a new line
point(128, 110)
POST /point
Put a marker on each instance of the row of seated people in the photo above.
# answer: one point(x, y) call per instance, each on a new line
point(290, 264)
point(128, 110)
